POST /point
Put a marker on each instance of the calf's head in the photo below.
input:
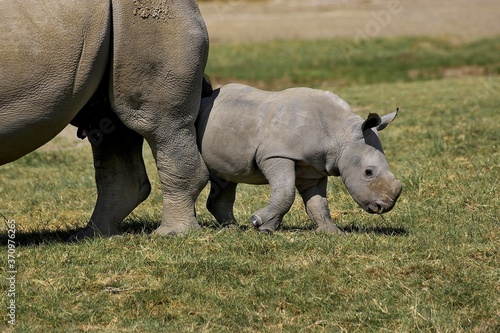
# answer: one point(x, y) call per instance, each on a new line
point(364, 169)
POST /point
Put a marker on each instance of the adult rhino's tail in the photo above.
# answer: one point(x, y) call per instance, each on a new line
point(206, 89)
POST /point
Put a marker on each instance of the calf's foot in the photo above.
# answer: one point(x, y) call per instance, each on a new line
point(329, 229)
point(266, 226)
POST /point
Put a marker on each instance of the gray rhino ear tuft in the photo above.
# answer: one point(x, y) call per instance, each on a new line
point(387, 119)
point(372, 121)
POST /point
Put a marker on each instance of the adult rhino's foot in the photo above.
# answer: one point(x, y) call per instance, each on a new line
point(329, 229)
point(92, 232)
point(177, 229)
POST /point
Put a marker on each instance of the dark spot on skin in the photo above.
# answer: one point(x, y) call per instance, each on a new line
point(135, 101)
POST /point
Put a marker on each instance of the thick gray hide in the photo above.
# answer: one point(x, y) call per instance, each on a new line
point(291, 139)
point(148, 57)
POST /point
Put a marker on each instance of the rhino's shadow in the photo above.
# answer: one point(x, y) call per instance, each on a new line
point(146, 227)
point(388, 231)
point(137, 227)
point(353, 228)
point(39, 237)
point(36, 238)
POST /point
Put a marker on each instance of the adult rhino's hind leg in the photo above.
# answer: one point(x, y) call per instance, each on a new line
point(121, 179)
point(181, 184)
point(160, 49)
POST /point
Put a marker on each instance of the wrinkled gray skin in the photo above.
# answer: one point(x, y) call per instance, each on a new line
point(291, 139)
point(150, 56)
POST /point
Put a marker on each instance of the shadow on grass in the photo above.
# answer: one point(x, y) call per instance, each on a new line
point(147, 227)
point(37, 238)
point(388, 231)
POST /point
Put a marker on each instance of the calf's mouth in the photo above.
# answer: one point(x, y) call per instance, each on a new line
point(384, 206)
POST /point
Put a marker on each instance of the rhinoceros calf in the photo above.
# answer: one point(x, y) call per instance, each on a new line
point(291, 139)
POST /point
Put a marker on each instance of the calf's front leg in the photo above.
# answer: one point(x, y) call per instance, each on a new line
point(280, 173)
point(313, 192)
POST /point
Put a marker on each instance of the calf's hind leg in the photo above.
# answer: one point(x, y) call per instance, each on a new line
point(221, 200)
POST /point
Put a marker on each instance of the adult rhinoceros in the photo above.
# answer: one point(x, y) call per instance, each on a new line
point(148, 55)
point(291, 139)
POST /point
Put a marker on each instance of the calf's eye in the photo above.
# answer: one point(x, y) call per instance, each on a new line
point(368, 172)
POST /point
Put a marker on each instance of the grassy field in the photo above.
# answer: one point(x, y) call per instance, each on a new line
point(430, 265)
point(340, 62)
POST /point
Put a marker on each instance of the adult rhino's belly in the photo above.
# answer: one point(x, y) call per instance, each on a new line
point(53, 58)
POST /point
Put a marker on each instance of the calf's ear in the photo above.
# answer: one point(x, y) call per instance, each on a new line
point(372, 121)
point(387, 119)
point(375, 121)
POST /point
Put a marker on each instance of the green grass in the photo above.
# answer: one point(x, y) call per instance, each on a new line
point(430, 265)
point(340, 62)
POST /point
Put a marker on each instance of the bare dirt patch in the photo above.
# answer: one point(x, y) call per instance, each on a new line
point(244, 21)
